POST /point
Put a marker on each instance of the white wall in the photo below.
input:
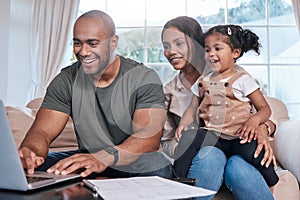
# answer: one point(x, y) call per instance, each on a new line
point(15, 18)
point(4, 36)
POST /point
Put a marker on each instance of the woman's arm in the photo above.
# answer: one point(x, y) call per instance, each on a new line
point(188, 117)
point(263, 143)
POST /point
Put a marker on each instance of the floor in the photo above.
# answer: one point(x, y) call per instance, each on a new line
point(224, 194)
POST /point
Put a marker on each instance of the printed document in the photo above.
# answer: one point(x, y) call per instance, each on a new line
point(146, 188)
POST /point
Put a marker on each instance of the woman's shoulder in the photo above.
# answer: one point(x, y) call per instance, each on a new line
point(173, 84)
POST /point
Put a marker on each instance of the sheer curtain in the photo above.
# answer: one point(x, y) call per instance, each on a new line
point(296, 7)
point(52, 24)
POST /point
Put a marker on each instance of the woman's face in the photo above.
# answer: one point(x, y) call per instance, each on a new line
point(176, 49)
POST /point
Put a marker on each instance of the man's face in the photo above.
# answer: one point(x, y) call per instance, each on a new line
point(91, 45)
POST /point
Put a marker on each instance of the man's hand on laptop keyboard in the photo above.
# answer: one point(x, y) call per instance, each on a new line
point(86, 163)
point(29, 159)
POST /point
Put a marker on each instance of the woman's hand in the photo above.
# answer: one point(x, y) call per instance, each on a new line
point(263, 142)
point(179, 130)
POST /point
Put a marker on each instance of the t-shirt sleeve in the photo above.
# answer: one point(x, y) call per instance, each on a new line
point(58, 94)
point(245, 85)
point(150, 91)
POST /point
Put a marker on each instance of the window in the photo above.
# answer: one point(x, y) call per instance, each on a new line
point(276, 69)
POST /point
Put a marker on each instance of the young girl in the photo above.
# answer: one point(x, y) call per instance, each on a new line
point(226, 97)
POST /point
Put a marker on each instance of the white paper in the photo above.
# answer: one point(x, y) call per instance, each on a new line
point(146, 188)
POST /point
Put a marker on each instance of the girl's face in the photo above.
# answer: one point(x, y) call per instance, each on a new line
point(176, 49)
point(218, 54)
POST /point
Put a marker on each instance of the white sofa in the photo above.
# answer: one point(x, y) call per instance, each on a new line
point(285, 145)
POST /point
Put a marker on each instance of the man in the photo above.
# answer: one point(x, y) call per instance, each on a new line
point(117, 106)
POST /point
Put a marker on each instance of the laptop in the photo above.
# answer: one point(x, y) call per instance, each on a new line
point(12, 174)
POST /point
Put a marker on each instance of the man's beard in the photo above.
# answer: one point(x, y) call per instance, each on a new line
point(101, 66)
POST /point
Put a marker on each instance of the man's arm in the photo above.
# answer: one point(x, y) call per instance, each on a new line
point(147, 124)
point(47, 126)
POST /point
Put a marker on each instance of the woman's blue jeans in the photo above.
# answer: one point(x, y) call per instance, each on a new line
point(210, 166)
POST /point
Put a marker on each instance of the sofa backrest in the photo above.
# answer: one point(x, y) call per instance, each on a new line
point(21, 120)
point(279, 109)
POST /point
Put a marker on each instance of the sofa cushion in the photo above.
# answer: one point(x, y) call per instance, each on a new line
point(287, 140)
point(66, 141)
point(21, 119)
point(279, 109)
point(34, 105)
point(287, 187)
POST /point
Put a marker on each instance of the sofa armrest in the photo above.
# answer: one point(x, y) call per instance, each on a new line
point(287, 149)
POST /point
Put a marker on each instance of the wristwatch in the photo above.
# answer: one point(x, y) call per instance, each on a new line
point(114, 152)
point(268, 128)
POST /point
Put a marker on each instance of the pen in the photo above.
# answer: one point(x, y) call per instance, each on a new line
point(90, 185)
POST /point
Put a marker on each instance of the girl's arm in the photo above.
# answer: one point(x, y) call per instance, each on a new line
point(250, 127)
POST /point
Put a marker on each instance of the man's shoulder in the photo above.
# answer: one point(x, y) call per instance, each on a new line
point(129, 61)
point(129, 64)
point(71, 69)
point(137, 71)
point(69, 72)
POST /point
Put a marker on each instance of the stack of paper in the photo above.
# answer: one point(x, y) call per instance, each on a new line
point(146, 188)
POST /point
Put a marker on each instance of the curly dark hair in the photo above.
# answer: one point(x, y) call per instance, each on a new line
point(237, 37)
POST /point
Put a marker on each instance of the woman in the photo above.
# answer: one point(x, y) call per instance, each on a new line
point(181, 39)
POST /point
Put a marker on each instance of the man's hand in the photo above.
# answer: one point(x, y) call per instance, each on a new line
point(263, 142)
point(29, 159)
point(48, 124)
point(76, 162)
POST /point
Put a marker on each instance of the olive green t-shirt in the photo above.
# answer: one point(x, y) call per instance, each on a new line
point(136, 87)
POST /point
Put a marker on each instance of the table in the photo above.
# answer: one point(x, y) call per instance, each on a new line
point(71, 190)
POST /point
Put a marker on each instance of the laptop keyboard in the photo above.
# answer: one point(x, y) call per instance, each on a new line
point(32, 179)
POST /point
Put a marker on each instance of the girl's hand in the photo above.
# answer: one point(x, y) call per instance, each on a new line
point(248, 132)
